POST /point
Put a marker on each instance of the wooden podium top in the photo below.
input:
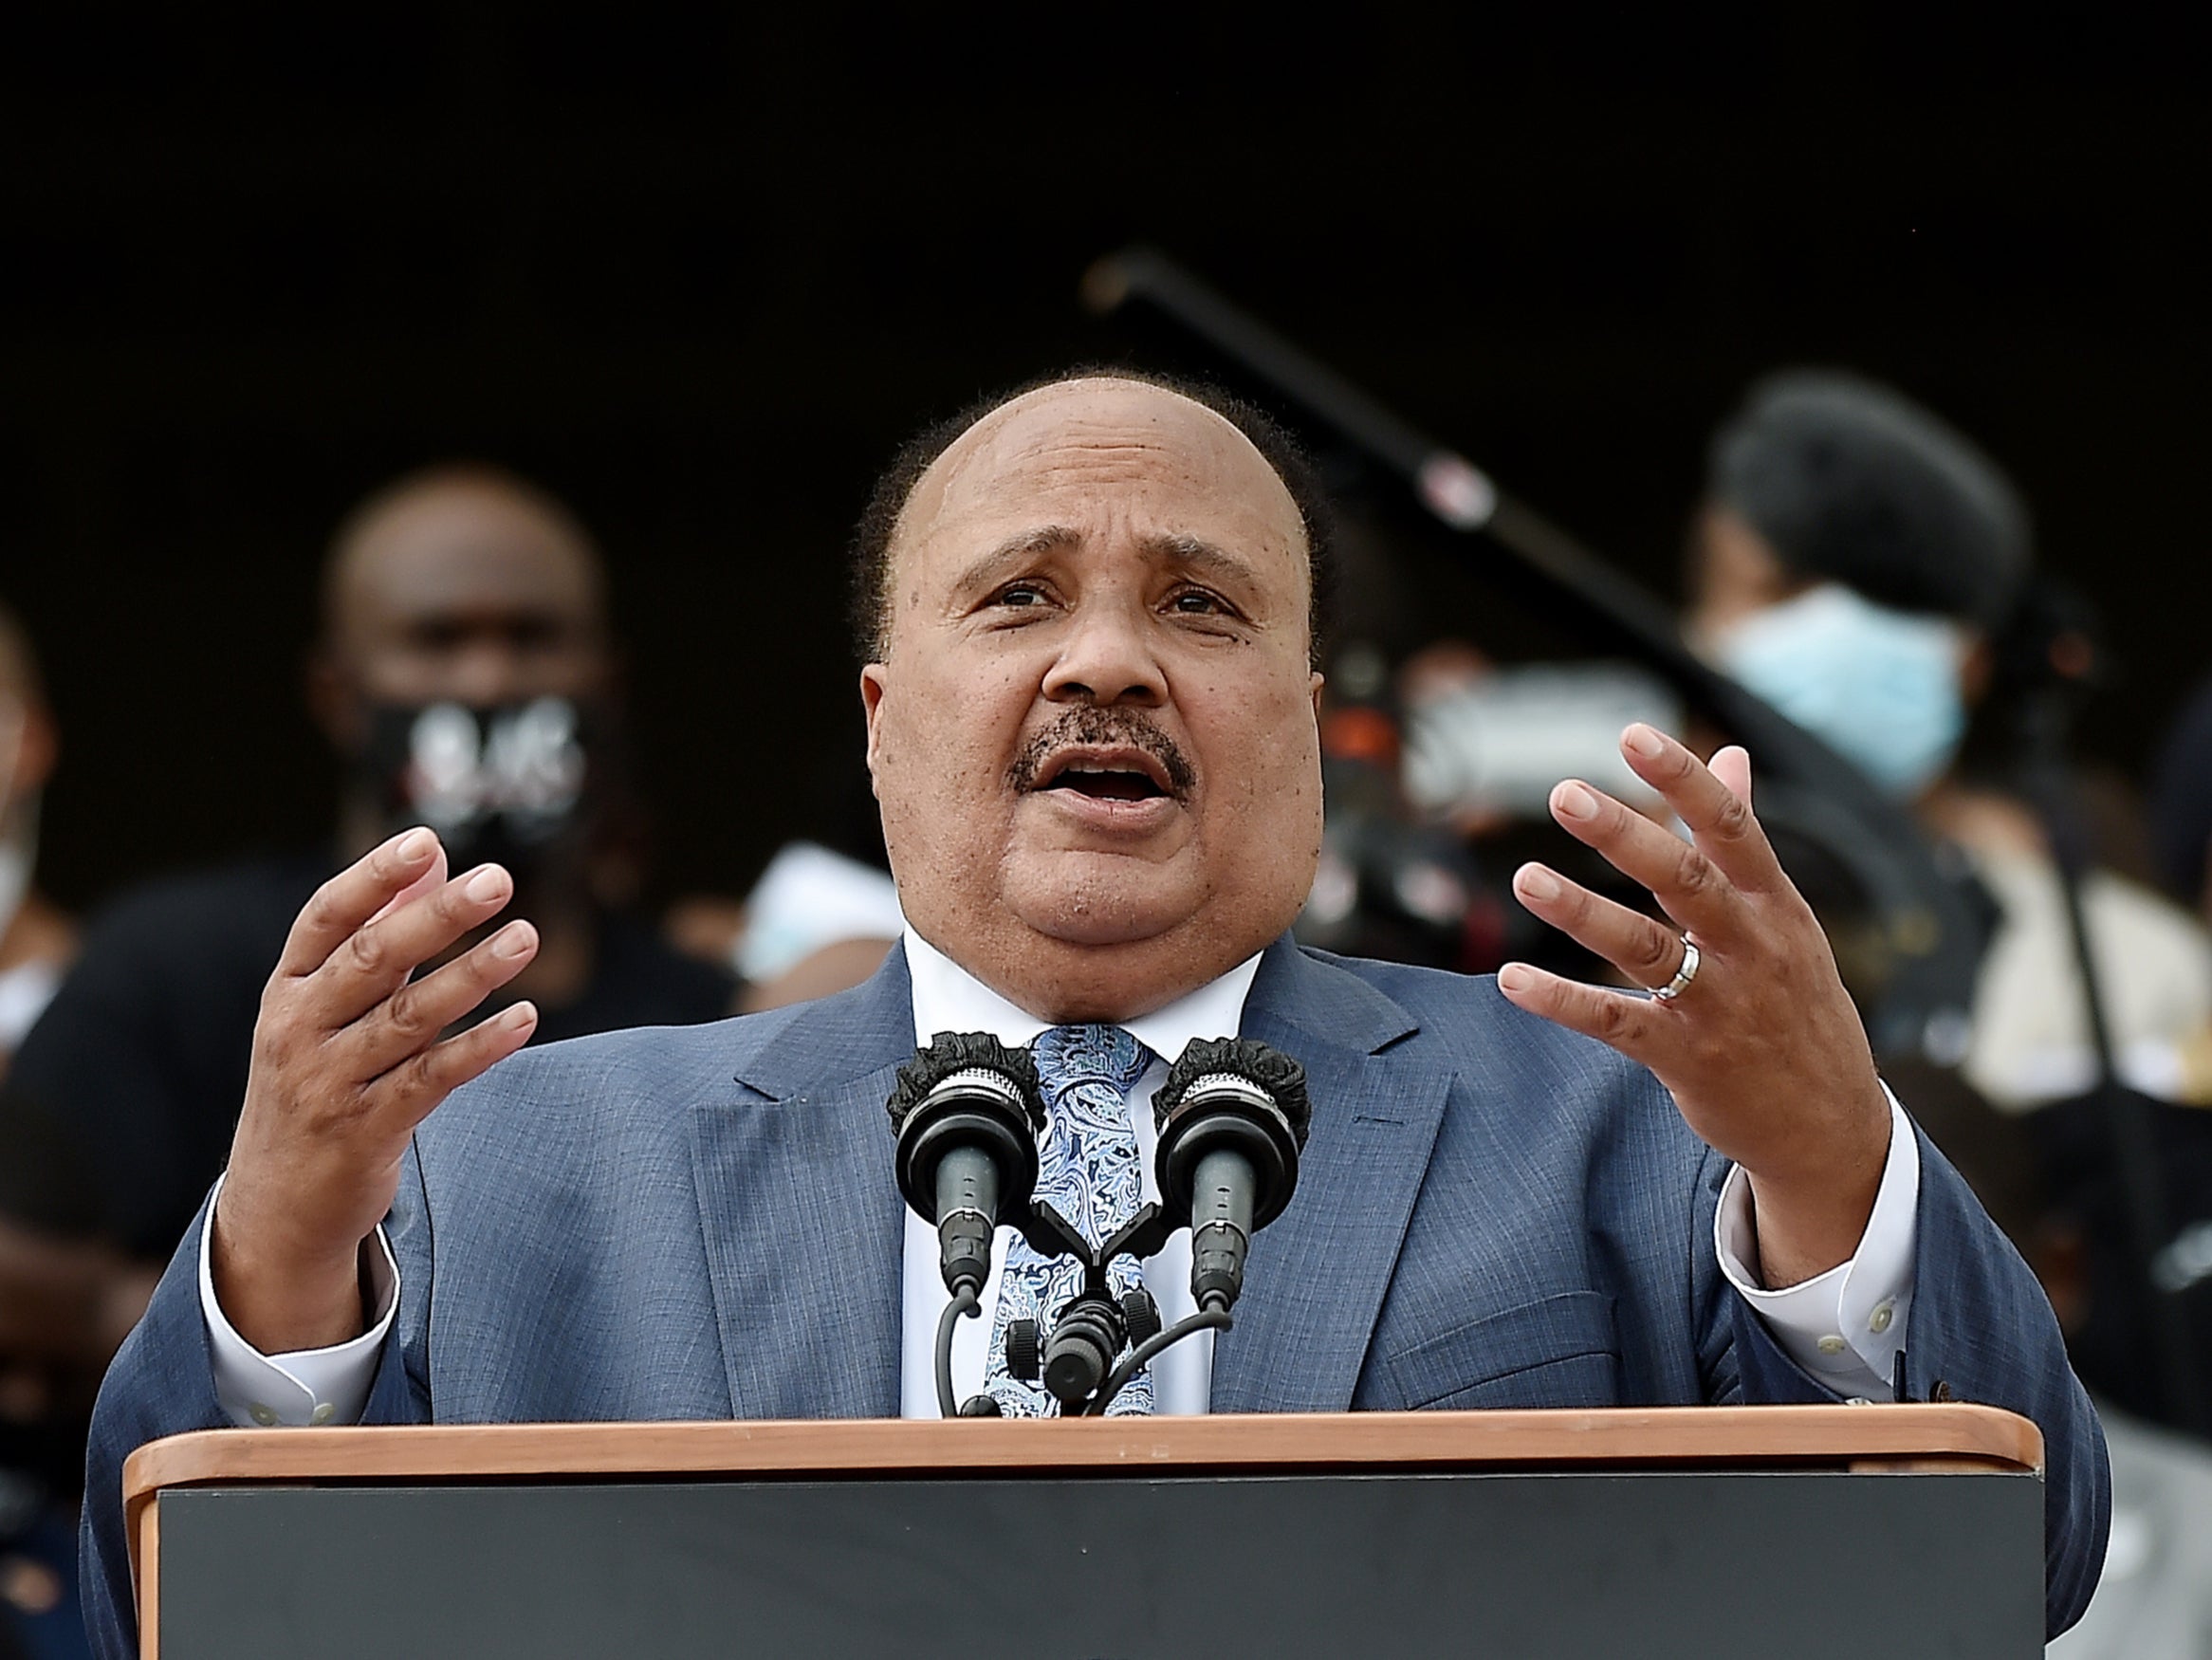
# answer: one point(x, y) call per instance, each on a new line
point(1936, 1440)
point(1918, 1437)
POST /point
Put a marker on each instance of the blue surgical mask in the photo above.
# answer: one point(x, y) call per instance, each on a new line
point(1879, 687)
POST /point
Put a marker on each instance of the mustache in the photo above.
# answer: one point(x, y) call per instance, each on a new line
point(1090, 724)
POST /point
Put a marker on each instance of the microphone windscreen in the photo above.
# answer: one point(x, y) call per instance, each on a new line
point(1282, 1079)
point(955, 1052)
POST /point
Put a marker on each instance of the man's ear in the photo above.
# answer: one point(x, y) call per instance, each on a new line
point(334, 703)
point(38, 746)
point(874, 681)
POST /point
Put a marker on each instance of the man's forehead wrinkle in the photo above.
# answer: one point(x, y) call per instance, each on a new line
point(1130, 471)
point(1073, 454)
point(1137, 419)
point(1045, 539)
point(1164, 546)
point(1121, 433)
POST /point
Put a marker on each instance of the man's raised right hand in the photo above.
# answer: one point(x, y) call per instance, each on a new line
point(349, 1055)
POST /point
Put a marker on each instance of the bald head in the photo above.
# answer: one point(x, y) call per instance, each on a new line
point(1092, 711)
point(988, 432)
point(454, 534)
point(464, 585)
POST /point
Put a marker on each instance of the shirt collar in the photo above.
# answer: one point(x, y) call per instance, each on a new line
point(949, 999)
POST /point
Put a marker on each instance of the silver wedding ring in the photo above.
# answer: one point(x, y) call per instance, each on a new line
point(1682, 976)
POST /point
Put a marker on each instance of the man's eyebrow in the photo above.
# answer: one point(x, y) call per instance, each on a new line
point(1022, 545)
point(1191, 553)
point(1195, 553)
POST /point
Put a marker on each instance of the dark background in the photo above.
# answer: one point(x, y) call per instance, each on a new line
point(700, 272)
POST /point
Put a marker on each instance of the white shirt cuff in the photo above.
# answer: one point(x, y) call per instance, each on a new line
point(310, 1386)
point(1847, 1326)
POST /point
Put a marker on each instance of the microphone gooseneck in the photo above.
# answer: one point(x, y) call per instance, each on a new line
point(1233, 1118)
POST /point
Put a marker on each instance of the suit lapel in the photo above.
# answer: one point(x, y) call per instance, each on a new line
point(805, 1232)
point(804, 1225)
point(1318, 1274)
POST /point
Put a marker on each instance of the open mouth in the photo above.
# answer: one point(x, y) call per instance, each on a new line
point(1106, 774)
point(1107, 784)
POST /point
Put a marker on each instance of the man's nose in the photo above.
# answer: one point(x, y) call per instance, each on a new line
point(486, 672)
point(1107, 657)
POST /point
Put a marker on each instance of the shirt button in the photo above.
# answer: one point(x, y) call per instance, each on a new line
point(321, 1414)
point(264, 1416)
point(1831, 1344)
point(1879, 1321)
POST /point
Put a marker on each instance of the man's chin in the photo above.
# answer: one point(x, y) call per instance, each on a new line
point(1079, 925)
point(1104, 900)
point(1077, 963)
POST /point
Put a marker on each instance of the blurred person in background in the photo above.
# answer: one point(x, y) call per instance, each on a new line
point(466, 680)
point(1437, 764)
point(820, 916)
point(36, 939)
point(1857, 564)
point(44, 1372)
point(1865, 569)
point(2181, 805)
point(2180, 835)
point(1480, 738)
point(2154, 1601)
point(817, 922)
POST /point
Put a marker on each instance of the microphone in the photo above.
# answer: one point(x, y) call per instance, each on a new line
point(968, 1112)
point(1232, 1116)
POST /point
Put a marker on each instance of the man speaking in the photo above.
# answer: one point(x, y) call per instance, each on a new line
point(1092, 724)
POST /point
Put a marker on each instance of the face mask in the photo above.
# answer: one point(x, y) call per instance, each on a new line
point(1879, 687)
point(506, 783)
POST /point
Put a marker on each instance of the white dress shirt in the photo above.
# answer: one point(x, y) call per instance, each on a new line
point(949, 999)
point(1845, 1327)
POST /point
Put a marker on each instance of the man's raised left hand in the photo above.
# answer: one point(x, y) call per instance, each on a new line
point(1763, 1050)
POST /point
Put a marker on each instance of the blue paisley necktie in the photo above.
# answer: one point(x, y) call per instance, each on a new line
point(1088, 1171)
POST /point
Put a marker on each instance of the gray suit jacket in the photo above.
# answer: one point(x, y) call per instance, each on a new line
point(699, 1223)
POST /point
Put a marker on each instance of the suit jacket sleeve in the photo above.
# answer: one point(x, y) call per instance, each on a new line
point(1981, 1330)
point(162, 1383)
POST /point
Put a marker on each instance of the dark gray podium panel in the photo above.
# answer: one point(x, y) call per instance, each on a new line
point(1560, 1566)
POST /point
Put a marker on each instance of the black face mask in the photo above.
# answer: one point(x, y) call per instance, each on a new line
point(508, 783)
